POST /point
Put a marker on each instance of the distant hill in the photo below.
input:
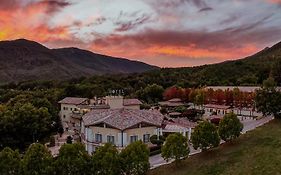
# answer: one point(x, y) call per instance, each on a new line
point(249, 71)
point(22, 60)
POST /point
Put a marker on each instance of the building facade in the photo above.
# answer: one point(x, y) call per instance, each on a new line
point(119, 126)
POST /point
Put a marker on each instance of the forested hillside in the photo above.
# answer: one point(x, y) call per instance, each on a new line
point(23, 60)
point(23, 105)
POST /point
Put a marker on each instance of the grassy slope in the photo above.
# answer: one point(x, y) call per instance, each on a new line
point(257, 152)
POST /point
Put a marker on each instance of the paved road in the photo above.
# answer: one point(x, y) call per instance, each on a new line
point(249, 124)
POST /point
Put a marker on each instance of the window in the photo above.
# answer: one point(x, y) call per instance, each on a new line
point(146, 138)
point(133, 139)
point(63, 116)
point(98, 138)
point(110, 139)
point(71, 109)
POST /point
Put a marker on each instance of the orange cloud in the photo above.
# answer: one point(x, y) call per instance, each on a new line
point(31, 22)
point(177, 52)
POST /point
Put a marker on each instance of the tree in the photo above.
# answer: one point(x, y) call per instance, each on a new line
point(151, 93)
point(175, 147)
point(276, 69)
point(69, 140)
point(230, 127)
point(106, 160)
point(23, 124)
point(170, 93)
point(157, 140)
point(192, 96)
point(72, 159)
point(9, 162)
point(135, 159)
point(205, 136)
point(37, 160)
point(200, 98)
point(268, 99)
point(180, 109)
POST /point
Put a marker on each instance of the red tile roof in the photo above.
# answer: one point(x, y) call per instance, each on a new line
point(73, 100)
point(129, 102)
point(173, 100)
point(122, 118)
point(171, 104)
point(216, 106)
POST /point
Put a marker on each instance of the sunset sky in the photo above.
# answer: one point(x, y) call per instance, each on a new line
point(167, 33)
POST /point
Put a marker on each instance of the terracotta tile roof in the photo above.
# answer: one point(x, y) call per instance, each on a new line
point(173, 100)
point(129, 102)
point(122, 118)
point(102, 106)
point(73, 100)
point(183, 122)
point(175, 125)
point(216, 106)
point(171, 104)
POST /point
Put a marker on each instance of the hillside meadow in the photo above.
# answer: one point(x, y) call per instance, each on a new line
point(256, 152)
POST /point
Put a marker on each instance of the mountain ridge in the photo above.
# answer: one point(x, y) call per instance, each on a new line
point(23, 60)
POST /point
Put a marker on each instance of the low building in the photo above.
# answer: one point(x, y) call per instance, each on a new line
point(247, 112)
point(73, 107)
point(217, 109)
point(221, 110)
point(116, 120)
point(69, 105)
point(175, 102)
point(178, 125)
point(132, 103)
point(119, 127)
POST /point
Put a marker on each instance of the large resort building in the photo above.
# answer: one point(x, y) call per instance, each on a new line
point(119, 126)
point(116, 120)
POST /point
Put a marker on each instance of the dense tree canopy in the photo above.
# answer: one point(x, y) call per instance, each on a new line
point(204, 136)
point(176, 147)
point(230, 127)
point(22, 124)
point(106, 161)
point(9, 162)
point(135, 159)
point(268, 99)
point(37, 160)
point(151, 93)
point(72, 160)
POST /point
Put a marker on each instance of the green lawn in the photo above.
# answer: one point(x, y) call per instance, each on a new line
point(257, 152)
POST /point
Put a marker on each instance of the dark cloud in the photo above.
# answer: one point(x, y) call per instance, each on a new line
point(177, 3)
point(54, 5)
point(100, 20)
point(132, 24)
point(231, 38)
point(206, 9)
